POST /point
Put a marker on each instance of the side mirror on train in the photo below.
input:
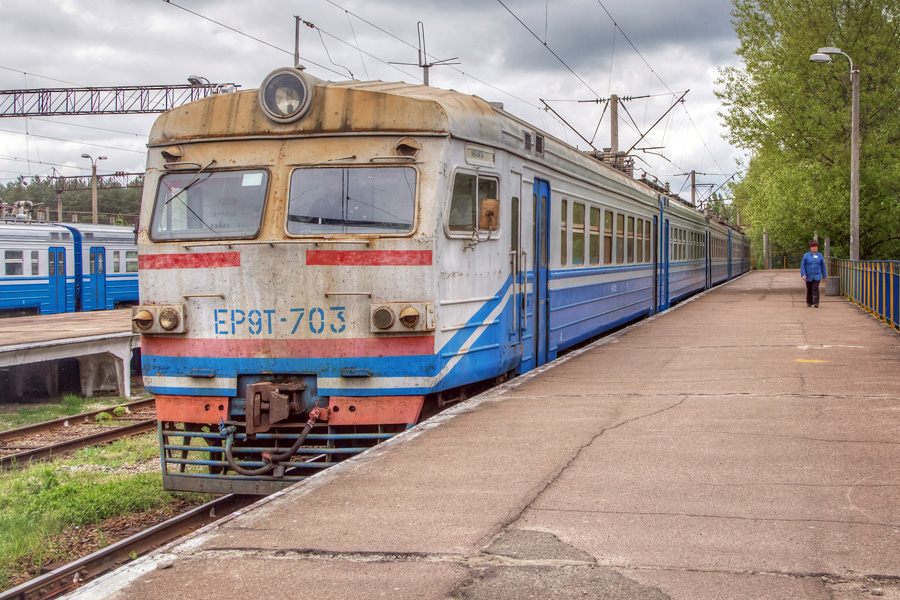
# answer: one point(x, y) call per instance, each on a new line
point(489, 217)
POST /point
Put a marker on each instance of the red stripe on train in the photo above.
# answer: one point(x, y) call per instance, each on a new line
point(204, 260)
point(374, 258)
point(271, 348)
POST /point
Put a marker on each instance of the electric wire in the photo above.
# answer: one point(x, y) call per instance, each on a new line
point(625, 35)
point(47, 137)
point(356, 41)
point(238, 31)
point(42, 76)
point(138, 135)
point(549, 49)
point(414, 47)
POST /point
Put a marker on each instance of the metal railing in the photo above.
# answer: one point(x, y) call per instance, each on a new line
point(874, 285)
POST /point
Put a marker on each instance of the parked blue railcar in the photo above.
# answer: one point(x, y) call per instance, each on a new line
point(53, 268)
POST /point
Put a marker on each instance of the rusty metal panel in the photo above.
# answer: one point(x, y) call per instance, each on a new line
point(191, 409)
point(349, 410)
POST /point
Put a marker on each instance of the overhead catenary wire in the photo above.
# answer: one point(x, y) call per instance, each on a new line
point(247, 35)
point(549, 49)
point(34, 135)
point(625, 35)
point(413, 46)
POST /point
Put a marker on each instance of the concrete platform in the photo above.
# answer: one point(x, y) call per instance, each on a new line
point(101, 341)
point(739, 446)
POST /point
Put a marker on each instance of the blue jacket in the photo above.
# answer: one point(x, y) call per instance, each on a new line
point(813, 267)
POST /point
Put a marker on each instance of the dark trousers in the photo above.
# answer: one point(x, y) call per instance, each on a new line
point(812, 292)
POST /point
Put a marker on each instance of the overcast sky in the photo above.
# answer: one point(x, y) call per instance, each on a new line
point(679, 46)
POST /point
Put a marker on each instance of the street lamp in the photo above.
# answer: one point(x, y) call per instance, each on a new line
point(93, 184)
point(823, 55)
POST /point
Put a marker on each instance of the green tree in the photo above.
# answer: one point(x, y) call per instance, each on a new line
point(122, 202)
point(794, 119)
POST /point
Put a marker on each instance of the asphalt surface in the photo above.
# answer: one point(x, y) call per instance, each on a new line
point(739, 446)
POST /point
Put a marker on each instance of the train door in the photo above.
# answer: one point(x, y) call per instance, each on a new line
point(708, 261)
point(98, 277)
point(730, 275)
point(663, 285)
point(541, 271)
point(655, 305)
point(516, 264)
point(56, 265)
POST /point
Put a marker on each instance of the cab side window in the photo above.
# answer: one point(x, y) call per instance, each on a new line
point(468, 207)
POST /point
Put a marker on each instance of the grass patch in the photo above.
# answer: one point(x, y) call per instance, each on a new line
point(41, 502)
point(68, 406)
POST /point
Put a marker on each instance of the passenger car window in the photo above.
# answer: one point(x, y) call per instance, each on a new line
point(13, 260)
point(564, 233)
point(607, 237)
point(595, 236)
point(131, 261)
point(620, 239)
point(577, 234)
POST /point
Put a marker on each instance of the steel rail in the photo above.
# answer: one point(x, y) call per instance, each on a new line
point(77, 572)
point(108, 435)
point(12, 434)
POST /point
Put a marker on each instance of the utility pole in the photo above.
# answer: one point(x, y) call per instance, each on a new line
point(94, 193)
point(93, 185)
point(614, 126)
point(854, 166)
point(693, 187)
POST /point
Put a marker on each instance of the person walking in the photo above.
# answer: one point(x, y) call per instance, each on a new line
point(812, 270)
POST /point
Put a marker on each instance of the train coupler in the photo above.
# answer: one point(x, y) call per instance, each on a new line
point(270, 403)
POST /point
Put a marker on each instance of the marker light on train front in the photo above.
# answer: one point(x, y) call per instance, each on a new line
point(143, 320)
point(409, 317)
point(285, 95)
point(168, 319)
point(155, 319)
point(383, 317)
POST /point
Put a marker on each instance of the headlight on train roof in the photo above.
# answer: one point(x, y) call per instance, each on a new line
point(168, 319)
point(285, 95)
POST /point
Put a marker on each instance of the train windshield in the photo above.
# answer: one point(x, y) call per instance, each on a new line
point(352, 200)
point(209, 205)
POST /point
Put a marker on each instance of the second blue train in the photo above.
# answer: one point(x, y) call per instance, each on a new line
point(52, 268)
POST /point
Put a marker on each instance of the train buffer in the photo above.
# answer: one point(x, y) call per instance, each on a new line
point(102, 341)
point(739, 446)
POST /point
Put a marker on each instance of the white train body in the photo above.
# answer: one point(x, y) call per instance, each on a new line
point(391, 244)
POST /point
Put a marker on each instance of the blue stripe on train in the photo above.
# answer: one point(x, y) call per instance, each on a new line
point(475, 364)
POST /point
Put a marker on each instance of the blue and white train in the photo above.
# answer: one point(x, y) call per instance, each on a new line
point(322, 262)
point(55, 268)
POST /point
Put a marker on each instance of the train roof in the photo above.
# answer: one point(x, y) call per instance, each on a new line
point(11, 229)
point(103, 233)
point(382, 108)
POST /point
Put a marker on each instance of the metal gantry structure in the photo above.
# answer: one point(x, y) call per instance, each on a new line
point(114, 100)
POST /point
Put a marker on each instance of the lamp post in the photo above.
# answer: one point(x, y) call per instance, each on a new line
point(823, 55)
point(93, 184)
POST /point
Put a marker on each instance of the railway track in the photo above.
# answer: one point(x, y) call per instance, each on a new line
point(72, 575)
point(27, 443)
